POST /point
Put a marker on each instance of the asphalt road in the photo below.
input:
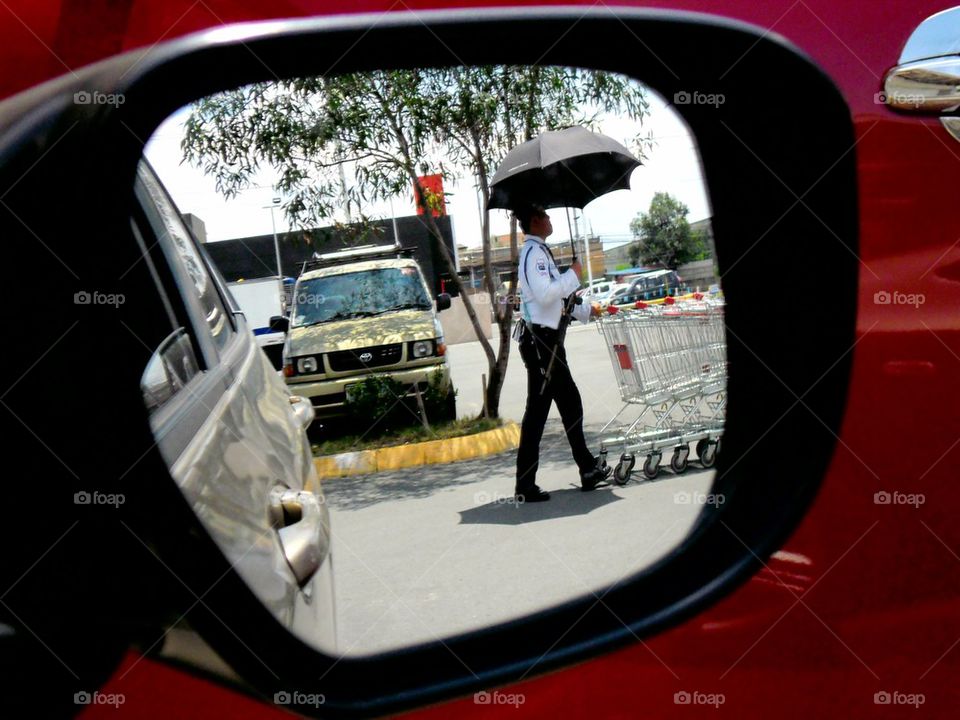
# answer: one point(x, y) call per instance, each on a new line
point(425, 553)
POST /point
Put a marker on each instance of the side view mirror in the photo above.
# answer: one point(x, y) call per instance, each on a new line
point(443, 301)
point(279, 323)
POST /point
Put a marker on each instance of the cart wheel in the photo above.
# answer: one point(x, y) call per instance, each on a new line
point(680, 460)
point(621, 474)
point(701, 447)
point(708, 457)
point(651, 466)
point(629, 460)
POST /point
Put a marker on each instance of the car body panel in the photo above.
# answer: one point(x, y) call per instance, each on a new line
point(877, 606)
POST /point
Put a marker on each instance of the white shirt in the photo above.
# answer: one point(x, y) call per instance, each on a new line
point(543, 288)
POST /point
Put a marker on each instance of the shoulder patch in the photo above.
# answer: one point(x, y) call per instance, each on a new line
point(542, 266)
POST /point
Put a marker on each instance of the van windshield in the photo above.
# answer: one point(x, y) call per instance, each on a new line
point(358, 294)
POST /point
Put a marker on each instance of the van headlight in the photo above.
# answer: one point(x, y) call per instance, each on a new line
point(421, 348)
point(308, 365)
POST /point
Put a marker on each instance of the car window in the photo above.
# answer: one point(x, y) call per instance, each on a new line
point(168, 224)
point(358, 294)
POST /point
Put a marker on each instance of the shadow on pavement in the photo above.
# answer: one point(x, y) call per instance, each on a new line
point(361, 491)
point(567, 502)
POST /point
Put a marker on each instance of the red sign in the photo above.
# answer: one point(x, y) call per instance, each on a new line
point(433, 195)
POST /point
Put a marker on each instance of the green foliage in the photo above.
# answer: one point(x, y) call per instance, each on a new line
point(436, 396)
point(387, 126)
point(374, 402)
point(664, 234)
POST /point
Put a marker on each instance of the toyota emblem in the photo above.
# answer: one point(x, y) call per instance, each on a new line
point(366, 357)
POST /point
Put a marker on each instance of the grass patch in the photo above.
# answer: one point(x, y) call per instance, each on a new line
point(405, 436)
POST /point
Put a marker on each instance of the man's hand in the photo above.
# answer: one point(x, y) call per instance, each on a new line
point(575, 266)
point(594, 311)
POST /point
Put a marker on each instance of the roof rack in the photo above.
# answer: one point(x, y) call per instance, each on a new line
point(355, 254)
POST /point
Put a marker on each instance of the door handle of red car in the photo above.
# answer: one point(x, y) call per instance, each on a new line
point(303, 527)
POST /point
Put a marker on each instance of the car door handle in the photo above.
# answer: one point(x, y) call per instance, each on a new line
point(302, 410)
point(927, 78)
point(303, 527)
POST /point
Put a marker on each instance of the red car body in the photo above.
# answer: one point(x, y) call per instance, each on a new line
point(865, 597)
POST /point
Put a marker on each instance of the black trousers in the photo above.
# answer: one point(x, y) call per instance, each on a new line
point(562, 390)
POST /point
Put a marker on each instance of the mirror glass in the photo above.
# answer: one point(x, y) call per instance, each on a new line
point(348, 204)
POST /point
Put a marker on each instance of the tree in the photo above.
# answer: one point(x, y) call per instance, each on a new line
point(663, 234)
point(390, 127)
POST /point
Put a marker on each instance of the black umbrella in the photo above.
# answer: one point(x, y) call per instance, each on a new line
point(561, 168)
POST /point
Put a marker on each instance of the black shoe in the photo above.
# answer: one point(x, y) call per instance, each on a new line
point(534, 494)
point(590, 479)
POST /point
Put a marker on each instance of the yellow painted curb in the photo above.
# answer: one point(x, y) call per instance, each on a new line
point(431, 452)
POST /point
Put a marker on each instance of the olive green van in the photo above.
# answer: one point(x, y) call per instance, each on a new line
point(361, 312)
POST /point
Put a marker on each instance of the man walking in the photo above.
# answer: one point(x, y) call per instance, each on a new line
point(544, 289)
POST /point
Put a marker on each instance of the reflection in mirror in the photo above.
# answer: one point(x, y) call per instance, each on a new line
point(169, 370)
point(345, 204)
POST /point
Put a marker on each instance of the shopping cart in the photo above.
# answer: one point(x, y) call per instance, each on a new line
point(671, 368)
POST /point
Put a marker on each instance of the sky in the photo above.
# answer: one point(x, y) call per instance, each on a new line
point(672, 166)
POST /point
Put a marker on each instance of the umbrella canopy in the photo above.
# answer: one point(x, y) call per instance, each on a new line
point(561, 168)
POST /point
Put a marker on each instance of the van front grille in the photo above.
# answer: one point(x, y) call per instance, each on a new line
point(379, 356)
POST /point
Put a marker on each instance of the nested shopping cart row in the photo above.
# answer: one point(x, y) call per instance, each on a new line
point(671, 367)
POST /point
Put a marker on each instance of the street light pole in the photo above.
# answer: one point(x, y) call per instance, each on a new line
point(276, 242)
point(276, 250)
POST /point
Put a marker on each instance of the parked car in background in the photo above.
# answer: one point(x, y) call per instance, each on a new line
point(611, 296)
point(360, 312)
